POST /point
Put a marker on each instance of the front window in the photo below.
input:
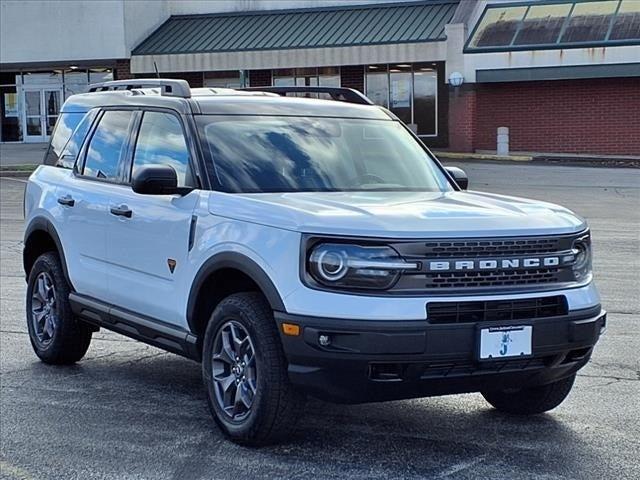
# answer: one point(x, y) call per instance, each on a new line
point(255, 154)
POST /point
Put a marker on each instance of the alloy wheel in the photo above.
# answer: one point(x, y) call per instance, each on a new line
point(43, 308)
point(234, 370)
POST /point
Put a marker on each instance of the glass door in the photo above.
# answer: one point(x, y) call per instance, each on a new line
point(41, 110)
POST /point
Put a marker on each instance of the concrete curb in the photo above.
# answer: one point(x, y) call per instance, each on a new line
point(482, 156)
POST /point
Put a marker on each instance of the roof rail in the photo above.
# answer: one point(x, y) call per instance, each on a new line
point(336, 93)
point(168, 87)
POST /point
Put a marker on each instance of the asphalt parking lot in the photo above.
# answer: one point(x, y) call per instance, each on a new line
point(131, 411)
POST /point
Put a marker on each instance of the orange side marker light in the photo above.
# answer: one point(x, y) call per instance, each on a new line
point(291, 329)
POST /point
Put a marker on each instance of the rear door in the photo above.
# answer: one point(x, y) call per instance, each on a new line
point(84, 199)
point(148, 236)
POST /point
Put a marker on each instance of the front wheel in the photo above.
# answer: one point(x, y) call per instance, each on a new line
point(530, 401)
point(245, 372)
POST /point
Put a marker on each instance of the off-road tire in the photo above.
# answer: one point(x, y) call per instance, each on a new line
point(71, 337)
point(276, 404)
point(531, 401)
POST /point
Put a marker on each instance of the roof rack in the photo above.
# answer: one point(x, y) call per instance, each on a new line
point(168, 87)
point(336, 93)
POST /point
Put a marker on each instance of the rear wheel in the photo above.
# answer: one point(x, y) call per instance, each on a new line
point(56, 336)
point(533, 400)
point(245, 372)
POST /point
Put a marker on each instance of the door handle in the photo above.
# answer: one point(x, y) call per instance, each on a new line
point(67, 200)
point(122, 211)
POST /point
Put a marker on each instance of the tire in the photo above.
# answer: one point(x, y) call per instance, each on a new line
point(531, 401)
point(268, 405)
point(56, 336)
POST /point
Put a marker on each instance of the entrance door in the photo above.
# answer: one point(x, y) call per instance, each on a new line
point(41, 110)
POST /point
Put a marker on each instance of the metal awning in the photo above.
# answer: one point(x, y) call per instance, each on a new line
point(407, 22)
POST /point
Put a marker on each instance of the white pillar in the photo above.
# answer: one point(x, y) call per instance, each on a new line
point(503, 141)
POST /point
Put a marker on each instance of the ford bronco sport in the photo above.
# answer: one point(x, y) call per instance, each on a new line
point(298, 246)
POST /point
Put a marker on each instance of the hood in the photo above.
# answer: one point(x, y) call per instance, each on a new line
point(399, 214)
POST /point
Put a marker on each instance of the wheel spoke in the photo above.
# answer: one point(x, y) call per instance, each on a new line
point(42, 289)
point(48, 326)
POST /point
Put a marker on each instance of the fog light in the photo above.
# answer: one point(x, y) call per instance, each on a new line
point(324, 340)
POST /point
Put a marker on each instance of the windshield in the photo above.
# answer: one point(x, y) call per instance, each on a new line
point(255, 154)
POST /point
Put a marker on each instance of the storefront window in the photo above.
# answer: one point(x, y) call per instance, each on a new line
point(9, 110)
point(410, 91)
point(229, 79)
point(401, 92)
point(378, 84)
point(307, 77)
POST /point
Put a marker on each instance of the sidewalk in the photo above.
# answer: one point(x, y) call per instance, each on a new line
point(21, 153)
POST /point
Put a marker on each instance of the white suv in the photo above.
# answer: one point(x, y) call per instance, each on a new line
point(298, 246)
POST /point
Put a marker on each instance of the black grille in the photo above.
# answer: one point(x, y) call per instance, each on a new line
point(496, 310)
point(489, 249)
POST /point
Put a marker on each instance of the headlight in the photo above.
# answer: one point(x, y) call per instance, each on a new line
point(582, 251)
point(355, 266)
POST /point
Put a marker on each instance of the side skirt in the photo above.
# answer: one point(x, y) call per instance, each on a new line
point(139, 327)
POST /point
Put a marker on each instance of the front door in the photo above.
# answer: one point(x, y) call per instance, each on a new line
point(148, 235)
point(41, 110)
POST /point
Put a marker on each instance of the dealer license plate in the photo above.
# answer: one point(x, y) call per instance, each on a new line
point(505, 342)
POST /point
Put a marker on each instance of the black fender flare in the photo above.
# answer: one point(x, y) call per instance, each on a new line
point(238, 262)
point(45, 225)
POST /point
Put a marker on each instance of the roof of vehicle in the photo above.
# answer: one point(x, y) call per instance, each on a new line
point(224, 102)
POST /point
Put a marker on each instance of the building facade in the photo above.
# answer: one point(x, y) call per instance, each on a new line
point(562, 75)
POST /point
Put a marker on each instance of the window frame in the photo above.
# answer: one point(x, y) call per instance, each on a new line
point(127, 166)
point(558, 44)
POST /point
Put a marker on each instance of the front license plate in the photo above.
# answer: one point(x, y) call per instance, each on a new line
point(505, 342)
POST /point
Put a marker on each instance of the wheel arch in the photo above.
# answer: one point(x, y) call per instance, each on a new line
point(41, 236)
point(242, 269)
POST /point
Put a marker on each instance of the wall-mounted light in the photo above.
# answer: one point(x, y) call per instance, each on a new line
point(456, 79)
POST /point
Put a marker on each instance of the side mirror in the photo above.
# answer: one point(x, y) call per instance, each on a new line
point(459, 176)
point(155, 180)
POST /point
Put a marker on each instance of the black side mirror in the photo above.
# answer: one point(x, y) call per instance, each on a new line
point(459, 176)
point(155, 180)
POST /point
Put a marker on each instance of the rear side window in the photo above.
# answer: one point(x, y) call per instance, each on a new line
point(161, 142)
point(65, 126)
point(107, 145)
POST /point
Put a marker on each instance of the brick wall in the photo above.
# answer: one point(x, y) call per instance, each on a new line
point(462, 118)
point(122, 70)
point(594, 116)
point(260, 78)
point(352, 76)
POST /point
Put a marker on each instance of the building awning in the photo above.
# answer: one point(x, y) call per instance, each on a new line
point(301, 28)
point(196, 41)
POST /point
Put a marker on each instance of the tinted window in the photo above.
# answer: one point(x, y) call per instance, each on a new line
point(65, 126)
point(498, 26)
point(161, 142)
point(296, 154)
point(542, 24)
point(589, 21)
point(107, 145)
point(626, 25)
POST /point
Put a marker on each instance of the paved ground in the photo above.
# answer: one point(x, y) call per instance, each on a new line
point(131, 411)
point(21, 153)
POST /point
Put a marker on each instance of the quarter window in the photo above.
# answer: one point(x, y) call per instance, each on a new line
point(161, 142)
point(108, 145)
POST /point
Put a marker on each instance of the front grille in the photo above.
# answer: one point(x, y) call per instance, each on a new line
point(507, 277)
point(490, 248)
point(496, 310)
point(491, 279)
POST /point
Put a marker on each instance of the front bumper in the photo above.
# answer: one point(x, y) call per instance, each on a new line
point(369, 361)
